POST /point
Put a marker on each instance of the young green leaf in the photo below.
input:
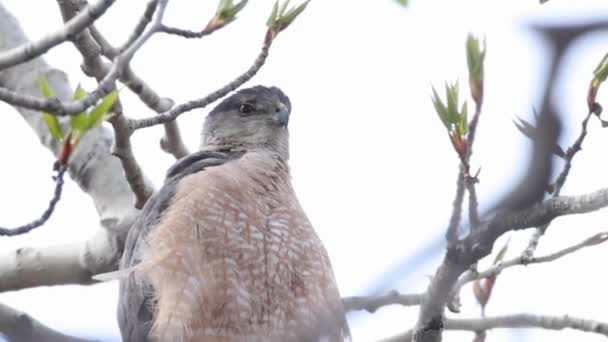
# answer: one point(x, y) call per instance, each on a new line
point(79, 122)
point(440, 108)
point(451, 94)
point(601, 71)
point(283, 8)
point(51, 120)
point(79, 93)
point(273, 15)
point(45, 87)
point(100, 113)
point(53, 124)
point(462, 124)
point(227, 10)
point(280, 17)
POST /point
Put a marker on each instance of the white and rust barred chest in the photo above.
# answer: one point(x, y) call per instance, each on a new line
point(235, 256)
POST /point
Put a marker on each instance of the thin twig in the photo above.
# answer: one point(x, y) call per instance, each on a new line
point(471, 181)
point(519, 261)
point(184, 33)
point(19, 326)
point(452, 231)
point(172, 142)
point(373, 303)
point(105, 86)
point(522, 320)
point(141, 26)
point(559, 183)
point(473, 203)
point(201, 103)
point(58, 179)
point(93, 63)
point(30, 50)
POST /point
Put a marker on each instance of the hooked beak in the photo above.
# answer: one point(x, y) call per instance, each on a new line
point(282, 115)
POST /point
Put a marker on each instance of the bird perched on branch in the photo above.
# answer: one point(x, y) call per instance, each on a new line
point(224, 251)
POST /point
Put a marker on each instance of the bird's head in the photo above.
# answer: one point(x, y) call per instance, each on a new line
point(251, 118)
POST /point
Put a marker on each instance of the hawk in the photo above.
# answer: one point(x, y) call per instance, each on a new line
point(224, 251)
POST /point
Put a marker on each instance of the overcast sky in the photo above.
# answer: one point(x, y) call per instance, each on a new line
point(371, 163)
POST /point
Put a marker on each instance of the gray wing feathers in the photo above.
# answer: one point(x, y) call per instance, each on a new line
point(135, 303)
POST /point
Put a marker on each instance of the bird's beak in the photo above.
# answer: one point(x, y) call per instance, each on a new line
point(282, 115)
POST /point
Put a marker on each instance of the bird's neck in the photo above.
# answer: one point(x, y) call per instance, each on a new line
point(282, 149)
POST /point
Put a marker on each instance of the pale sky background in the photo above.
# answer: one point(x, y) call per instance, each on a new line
point(371, 162)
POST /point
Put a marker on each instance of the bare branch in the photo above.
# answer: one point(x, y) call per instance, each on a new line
point(184, 33)
point(522, 320)
point(172, 142)
point(143, 22)
point(373, 303)
point(30, 50)
point(90, 50)
point(473, 203)
point(203, 102)
point(520, 261)
point(105, 85)
point(479, 243)
point(452, 231)
point(58, 179)
point(92, 167)
point(559, 183)
point(21, 327)
point(73, 263)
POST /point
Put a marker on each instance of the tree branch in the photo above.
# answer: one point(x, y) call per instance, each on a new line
point(203, 102)
point(95, 67)
point(522, 320)
point(559, 183)
point(451, 234)
point(30, 50)
point(27, 267)
point(58, 179)
point(373, 303)
point(522, 261)
point(478, 244)
point(21, 327)
point(91, 166)
point(172, 142)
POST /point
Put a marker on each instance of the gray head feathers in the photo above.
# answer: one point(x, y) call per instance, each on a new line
point(252, 118)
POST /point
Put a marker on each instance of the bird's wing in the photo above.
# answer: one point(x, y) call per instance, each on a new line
point(135, 306)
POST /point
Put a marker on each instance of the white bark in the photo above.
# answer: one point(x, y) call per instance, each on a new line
point(92, 167)
point(18, 326)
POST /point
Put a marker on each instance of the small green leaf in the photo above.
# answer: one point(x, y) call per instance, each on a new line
point(238, 7)
point(283, 8)
point(79, 122)
point(463, 119)
point(51, 120)
point(100, 113)
point(79, 93)
point(475, 57)
point(53, 124)
point(451, 91)
point(227, 11)
point(45, 87)
point(440, 108)
point(402, 2)
point(601, 71)
point(281, 17)
point(273, 15)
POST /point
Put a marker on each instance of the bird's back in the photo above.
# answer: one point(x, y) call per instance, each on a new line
point(234, 258)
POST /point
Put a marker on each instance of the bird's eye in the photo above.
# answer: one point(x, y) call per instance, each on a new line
point(246, 108)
